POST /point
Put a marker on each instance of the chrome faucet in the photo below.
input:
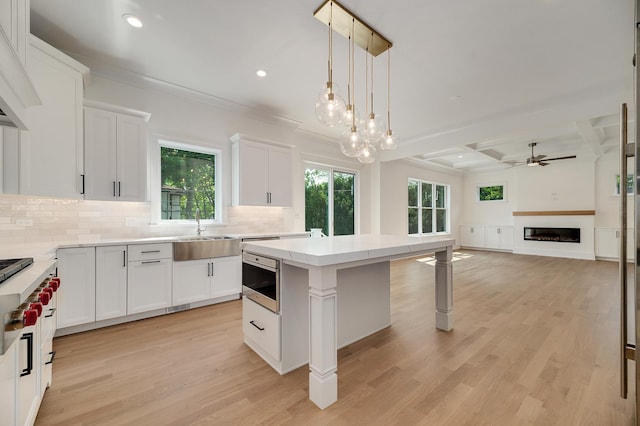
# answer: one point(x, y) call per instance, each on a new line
point(198, 229)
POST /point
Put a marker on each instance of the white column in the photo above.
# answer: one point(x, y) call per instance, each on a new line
point(444, 289)
point(323, 342)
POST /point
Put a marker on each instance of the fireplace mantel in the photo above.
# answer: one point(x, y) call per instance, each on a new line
point(556, 213)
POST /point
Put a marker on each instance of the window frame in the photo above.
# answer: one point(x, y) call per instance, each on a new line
point(434, 207)
point(331, 169)
point(504, 192)
point(168, 142)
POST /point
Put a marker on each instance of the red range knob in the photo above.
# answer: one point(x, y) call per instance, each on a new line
point(44, 298)
point(49, 291)
point(37, 306)
point(29, 317)
point(54, 283)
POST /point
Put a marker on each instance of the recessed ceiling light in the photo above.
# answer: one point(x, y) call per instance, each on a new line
point(460, 156)
point(132, 20)
point(261, 73)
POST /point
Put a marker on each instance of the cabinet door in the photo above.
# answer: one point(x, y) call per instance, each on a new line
point(149, 285)
point(111, 282)
point(8, 378)
point(280, 177)
point(191, 281)
point(100, 154)
point(51, 156)
point(131, 158)
point(493, 239)
point(227, 276)
point(28, 380)
point(607, 242)
point(77, 292)
point(472, 236)
point(252, 185)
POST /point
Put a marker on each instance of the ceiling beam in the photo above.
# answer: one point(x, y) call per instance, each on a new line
point(589, 134)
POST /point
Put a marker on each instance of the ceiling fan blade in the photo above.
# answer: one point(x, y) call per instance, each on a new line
point(540, 163)
point(561, 158)
point(539, 157)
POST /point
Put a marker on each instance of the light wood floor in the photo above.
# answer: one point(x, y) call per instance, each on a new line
point(535, 343)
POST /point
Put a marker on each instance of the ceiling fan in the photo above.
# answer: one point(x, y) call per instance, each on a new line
point(540, 160)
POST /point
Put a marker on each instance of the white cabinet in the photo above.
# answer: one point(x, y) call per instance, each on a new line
point(197, 280)
point(28, 374)
point(607, 241)
point(499, 237)
point(111, 282)
point(472, 236)
point(149, 277)
point(261, 327)
point(115, 155)
point(226, 276)
point(261, 173)
point(14, 23)
point(191, 281)
point(77, 292)
point(8, 396)
point(51, 152)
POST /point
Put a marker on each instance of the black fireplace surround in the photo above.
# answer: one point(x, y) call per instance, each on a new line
point(560, 235)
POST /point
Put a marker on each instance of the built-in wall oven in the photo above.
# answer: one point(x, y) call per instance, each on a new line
point(261, 280)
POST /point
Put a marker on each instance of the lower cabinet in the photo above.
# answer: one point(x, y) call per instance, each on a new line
point(262, 328)
point(8, 372)
point(111, 282)
point(28, 380)
point(196, 280)
point(489, 237)
point(77, 294)
point(472, 236)
point(149, 285)
point(607, 243)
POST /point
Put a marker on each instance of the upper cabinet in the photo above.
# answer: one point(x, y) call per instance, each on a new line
point(115, 155)
point(51, 152)
point(261, 173)
point(17, 92)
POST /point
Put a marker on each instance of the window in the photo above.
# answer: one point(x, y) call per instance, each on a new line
point(629, 184)
point(491, 193)
point(428, 207)
point(330, 200)
point(187, 183)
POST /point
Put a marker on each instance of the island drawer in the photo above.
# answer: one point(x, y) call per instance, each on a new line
point(261, 326)
point(150, 251)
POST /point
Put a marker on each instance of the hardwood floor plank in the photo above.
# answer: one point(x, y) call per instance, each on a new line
point(534, 343)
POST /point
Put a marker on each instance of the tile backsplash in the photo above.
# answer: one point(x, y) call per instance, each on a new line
point(28, 219)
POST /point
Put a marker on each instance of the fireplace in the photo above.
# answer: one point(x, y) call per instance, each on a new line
point(561, 235)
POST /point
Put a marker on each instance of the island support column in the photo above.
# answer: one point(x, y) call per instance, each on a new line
point(323, 336)
point(444, 289)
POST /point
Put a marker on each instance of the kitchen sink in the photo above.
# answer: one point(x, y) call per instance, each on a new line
point(205, 247)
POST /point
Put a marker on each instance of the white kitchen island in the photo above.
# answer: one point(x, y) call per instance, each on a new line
point(333, 266)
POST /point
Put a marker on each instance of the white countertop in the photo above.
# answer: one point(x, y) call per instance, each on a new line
point(347, 248)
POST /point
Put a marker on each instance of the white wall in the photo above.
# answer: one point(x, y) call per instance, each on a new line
point(393, 195)
point(607, 202)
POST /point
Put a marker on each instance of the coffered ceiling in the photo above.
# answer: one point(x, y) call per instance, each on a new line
point(472, 82)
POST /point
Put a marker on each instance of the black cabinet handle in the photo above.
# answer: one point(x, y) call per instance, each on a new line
point(149, 251)
point(211, 268)
point(119, 189)
point(29, 338)
point(82, 176)
point(52, 311)
point(149, 261)
point(114, 188)
point(124, 258)
point(256, 326)
point(53, 355)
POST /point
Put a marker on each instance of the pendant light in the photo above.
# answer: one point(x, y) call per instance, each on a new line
point(330, 107)
point(351, 141)
point(373, 127)
point(389, 141)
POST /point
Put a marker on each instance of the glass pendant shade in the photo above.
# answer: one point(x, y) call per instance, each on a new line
point(330, 107)
point(389, 142)
point(367, 154)
point(373, 128)
point(351, 143)
point(348, 117)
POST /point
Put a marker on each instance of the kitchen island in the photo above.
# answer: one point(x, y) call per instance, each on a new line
point(335, 266)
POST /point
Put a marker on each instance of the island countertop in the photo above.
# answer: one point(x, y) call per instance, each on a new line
point(346, 248)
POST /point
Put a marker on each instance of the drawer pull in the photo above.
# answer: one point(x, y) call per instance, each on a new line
point(256, 326)
point(52, 311)
point(149, 261)
point(53, 355)
point(150, 251)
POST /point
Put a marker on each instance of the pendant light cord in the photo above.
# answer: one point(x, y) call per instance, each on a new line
point(389, 87)
point(330, 62)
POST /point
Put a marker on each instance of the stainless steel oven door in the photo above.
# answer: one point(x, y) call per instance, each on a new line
point(261, 280)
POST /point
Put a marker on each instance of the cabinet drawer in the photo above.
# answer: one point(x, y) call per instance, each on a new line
point(150, 251)
point(262, 327)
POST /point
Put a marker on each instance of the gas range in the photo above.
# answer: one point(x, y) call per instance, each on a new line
point(10, 267)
